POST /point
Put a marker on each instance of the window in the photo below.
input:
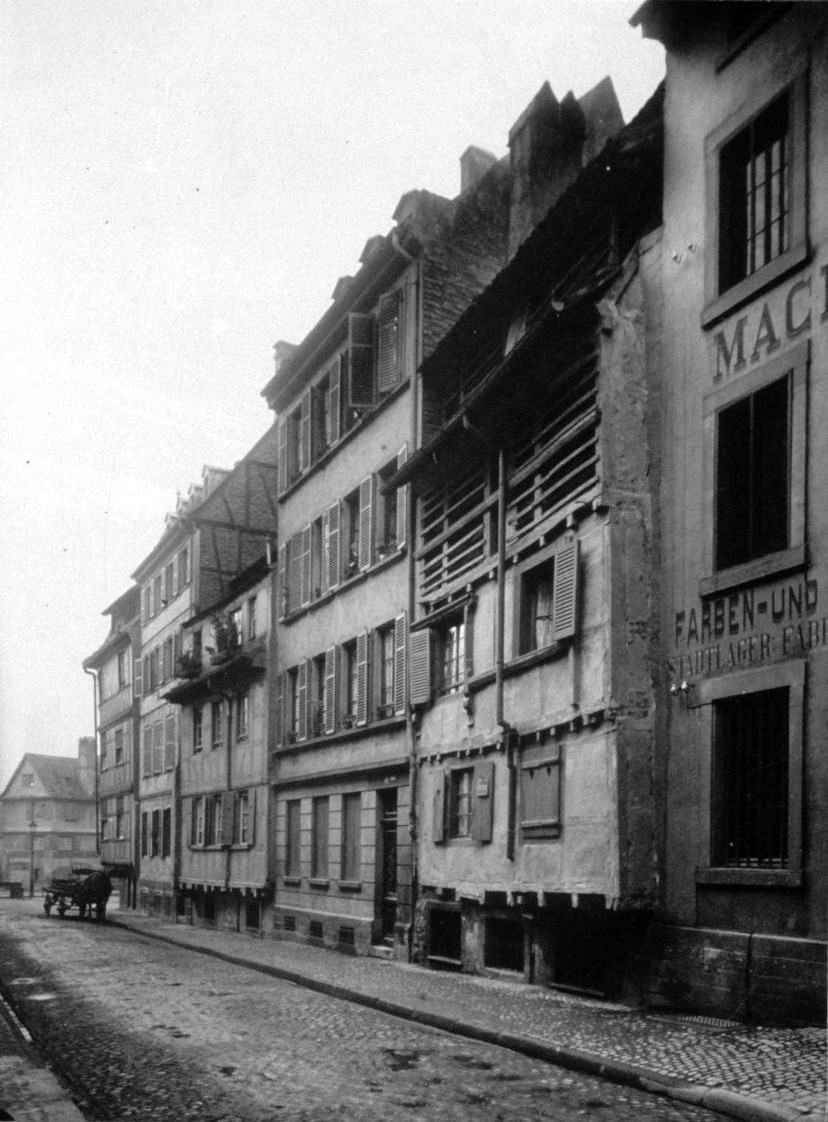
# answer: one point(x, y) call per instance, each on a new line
point(166, 832)
point(169, 586)
point(183, 567)
point(144, 834)
point(750, 780)
point(350, 529)
point(27, 779)
point(104, 826)
point(198, 729)
point(451, 660)
point(546, 598)
point(540, 791)
point(217, 723)
point(349, 654)
point(243, 716)
point(213, 819)
point(235, 633)
point(157, 746)
point(755, 444)
point(291, 703)
point(146, 755)
point(756, 198)
point(386, 651)
point(460, 794)
point(537, 617)
point(121, 669)
point(242, 829)
point(317, 687)
point(158, 592)
point(167, 660)
point(351, 842)
point(251, 618)
point(293, 838)
point(170, 739)
point(119, 746)
point(155, 835)
point(196, 651)
point(120, 817)
point(752, 485)
point(147, 602)
point(197, 822)
point(319, 838)
point(104, 750)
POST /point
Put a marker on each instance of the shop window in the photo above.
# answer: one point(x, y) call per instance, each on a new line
point(444, 936)
point(503, 948)
point(750, 780)
point(756, 199)
point(293, 838)
point(540, 791)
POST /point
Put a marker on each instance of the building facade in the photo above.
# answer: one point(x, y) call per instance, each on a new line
point(535, 621)
point(118, 729)
point(742, 770)
point(47, 816)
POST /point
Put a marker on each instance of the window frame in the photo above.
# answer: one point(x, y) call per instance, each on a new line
point(350, 870)
point(320, 837)
point(719, 302)
point(794, 363)
point(293, 838)
point(792, 675)
point(456, 778)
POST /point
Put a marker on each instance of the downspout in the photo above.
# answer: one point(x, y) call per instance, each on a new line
point(228, 784)
point(503, 724)
point(94, 676)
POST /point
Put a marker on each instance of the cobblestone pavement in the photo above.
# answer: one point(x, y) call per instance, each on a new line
point(150, 1030)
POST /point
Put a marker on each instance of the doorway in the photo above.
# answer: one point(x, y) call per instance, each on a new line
point(387, 864)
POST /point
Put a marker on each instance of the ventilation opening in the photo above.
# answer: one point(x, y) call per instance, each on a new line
point(315, 929)
point(504, 944)
point(347, 936)
point(444, 942)
point(289, 923)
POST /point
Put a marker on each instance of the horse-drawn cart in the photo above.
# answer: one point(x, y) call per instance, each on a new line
point(81, 887)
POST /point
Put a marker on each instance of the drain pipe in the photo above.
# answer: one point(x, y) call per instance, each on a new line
point(94, 675)
point(503, 724)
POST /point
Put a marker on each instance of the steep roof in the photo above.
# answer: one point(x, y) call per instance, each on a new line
point(59, 778)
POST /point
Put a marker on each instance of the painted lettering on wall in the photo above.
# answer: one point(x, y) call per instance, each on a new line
point(759, 334)
point(748, 628)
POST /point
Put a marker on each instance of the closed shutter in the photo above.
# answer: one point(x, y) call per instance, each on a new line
point(169, 742)
point(482, 801)
point(333, 545)
point(566, 591)
point(366, 508)
point(157, 747)
point(305, 431)
point(280, 709)
point(361, 354)
point(137, 677)
point(362, 678)
point(402, 501)
point(296, 572)
point(420, 674)
point(400, 651)
point(306, 566)
point(389, 357)
point(284, 584)
point(335, 399)
point(146, 755)
point(330, 689)
point(282, 440)
point(302, 701)
point(439, 821)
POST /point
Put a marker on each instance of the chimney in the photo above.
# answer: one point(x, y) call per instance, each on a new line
point(87, 763)
point(546, 147)
point(474, 163)
point(282, 350)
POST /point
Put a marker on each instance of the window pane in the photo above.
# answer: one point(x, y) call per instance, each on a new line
point(319, 841)
point(351, 827)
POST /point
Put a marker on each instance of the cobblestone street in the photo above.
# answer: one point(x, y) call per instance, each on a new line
point(149, 1031)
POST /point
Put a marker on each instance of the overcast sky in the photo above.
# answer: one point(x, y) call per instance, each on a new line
point(182, 184)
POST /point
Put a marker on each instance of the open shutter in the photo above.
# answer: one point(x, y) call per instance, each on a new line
point(439, 825)
point(482, 801)
point(280, 709)
point(566, 591)
point(284, 585)
point(366, 508)
point(333, 545)
point(335, 399)
point(324, 561)
point(400, 650)
point(330, 689)
point(305, 431)
point(282, 440)
point(302, 701)
point(251, 816)
point(295, 572)
point(402, 501)
point(361, 350)
point(137, 677)
point(228, 808)
point(306, 566)
point(362, 678)
point(169, 741)
point(389, 357)
point(420, 653)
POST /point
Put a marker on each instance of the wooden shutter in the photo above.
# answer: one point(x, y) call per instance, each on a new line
point(482, 801)
point(366, 510)
point(439, 826)
point(335, 399)
point(402, 501)
point(302, 701)
point(282, 441)
point(389, 357)
point(228, 806)
point(280, 709)
point(169, 741)
point(362, 678)
point(137, 677)
point(251, 816)
point(361, 354)
point(305, 431)
point(324, 560)
point(284, 585)
point(333, 545)
point(420, 674)
point(400, 651)
point(306, 566)
point(330, 690)
point(565, 608)
point(296, 571)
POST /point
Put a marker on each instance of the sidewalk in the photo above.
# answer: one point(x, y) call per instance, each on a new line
point(746, 1072)
point(29, 1092)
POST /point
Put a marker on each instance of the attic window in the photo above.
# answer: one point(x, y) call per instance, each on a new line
point(27, 779)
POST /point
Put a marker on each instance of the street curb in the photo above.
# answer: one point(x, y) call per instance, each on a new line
point(743, 1107)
